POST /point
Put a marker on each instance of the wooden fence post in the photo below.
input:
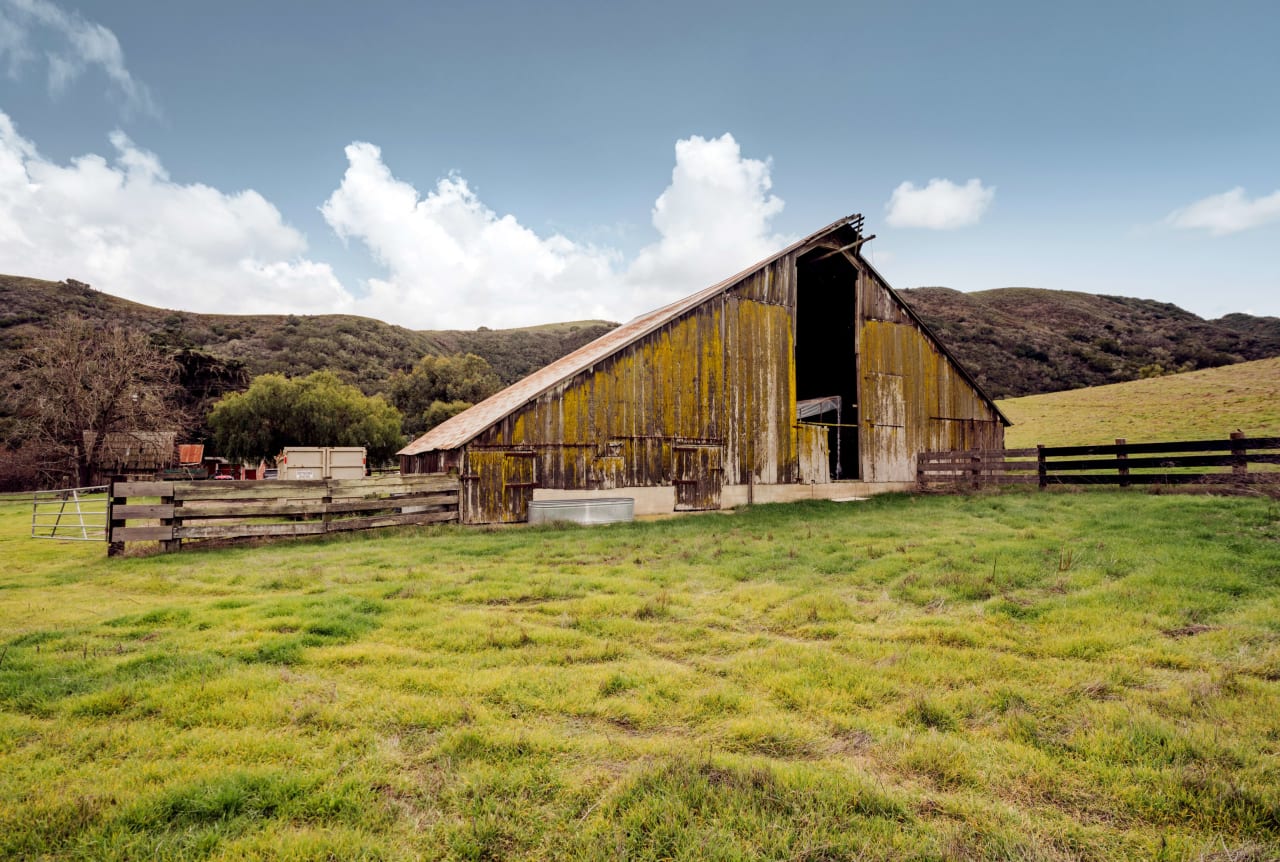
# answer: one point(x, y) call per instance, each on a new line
point(1121, 457)
point(920, 471)
point(114, 548)
point(1040, 466)
point(170, 545)
point(975, 467)
point(1239, 463)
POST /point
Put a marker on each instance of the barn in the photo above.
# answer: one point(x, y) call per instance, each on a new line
point(803, 376)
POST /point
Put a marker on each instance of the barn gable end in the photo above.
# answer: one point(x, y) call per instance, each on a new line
point(694, 406)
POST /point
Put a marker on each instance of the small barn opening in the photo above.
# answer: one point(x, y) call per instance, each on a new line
point(826, 355)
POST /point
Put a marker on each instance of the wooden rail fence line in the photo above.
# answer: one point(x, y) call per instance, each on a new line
point(236, 510)
point(1122, 463)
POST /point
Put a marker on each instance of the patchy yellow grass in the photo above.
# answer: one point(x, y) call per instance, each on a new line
point(1206, 404)
point(1020, 676)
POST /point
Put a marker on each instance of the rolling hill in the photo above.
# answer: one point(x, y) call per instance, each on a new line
point(1015, 341)
point(1021, 341)
point(1207, 404)
point(362, 350)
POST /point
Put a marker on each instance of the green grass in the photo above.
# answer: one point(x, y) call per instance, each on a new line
point(1197, 405)
point(1017, 676)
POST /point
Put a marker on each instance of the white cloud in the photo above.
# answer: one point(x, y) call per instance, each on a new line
point(1229, 212)
point(452, 261)
point(71, 46)
point(713, 220)
point(125, 227)
point(941, 205)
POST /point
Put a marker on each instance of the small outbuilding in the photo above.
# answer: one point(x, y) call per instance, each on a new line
point(128, 453)
point(803, 376)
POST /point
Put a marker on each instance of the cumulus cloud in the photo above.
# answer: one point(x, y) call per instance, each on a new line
point(123, 225)
point(453, 261)
point(126, 227)
point(70, 45)
point(1230, 212)
point(940, 205)
point(713, 220)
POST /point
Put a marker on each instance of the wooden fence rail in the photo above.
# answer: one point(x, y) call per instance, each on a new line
point(1112, 464)
point(213, 509)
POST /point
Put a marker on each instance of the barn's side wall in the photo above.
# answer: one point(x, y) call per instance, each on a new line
point(706, 404)
point(913, 399)
point(720, 375)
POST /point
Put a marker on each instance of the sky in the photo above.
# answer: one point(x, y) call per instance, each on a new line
point(452, 165)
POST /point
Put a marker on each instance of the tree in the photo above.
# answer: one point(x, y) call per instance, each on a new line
point(86, 377)
point(316, 410)
point(438, 387)
point(204, 378)
point(439, 411)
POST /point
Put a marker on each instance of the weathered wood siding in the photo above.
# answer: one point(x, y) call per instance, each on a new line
point(497, 486)
point(709, 399)
point(722, 375)
point(913, 399)
point(815, 455)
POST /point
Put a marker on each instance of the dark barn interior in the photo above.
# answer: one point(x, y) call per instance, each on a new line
point(826, 357)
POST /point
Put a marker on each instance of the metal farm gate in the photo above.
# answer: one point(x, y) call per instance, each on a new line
point(74, 514)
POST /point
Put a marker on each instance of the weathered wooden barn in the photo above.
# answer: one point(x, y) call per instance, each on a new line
point(803, 376)
point(128, 453)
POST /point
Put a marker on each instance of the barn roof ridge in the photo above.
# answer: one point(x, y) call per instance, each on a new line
point(461, 429)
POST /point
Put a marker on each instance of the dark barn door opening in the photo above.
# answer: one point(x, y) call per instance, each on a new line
point(826, 358)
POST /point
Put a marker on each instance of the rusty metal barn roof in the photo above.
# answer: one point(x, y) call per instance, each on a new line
point(464, 427)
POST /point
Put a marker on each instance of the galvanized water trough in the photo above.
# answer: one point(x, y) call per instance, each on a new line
point(611, 510)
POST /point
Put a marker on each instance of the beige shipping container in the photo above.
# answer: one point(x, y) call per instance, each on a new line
point(345, 462)
point(322, 462)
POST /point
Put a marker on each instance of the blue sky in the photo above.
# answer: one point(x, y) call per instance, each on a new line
point(461, 164)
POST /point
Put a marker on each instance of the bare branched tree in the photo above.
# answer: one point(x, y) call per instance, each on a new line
point(85, 378)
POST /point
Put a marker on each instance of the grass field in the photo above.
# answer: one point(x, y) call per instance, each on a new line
point(1206, 404)
point(1017, 676)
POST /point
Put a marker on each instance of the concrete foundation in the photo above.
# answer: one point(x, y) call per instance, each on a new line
point(661, 500)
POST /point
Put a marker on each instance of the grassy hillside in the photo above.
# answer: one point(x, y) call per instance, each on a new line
point(1015, 341)
point(1196, 405)
point(1025, 676)
point(1022, 341)
point(363, 350)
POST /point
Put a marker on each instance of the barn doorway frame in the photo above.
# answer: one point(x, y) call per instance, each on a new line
point(828, 320)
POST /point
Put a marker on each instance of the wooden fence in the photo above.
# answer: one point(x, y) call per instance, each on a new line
point(1122, 463)
point(212, 509)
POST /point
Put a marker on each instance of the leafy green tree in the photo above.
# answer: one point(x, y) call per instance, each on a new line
point(316, 410)
point(438, 387)
point(440, 411)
